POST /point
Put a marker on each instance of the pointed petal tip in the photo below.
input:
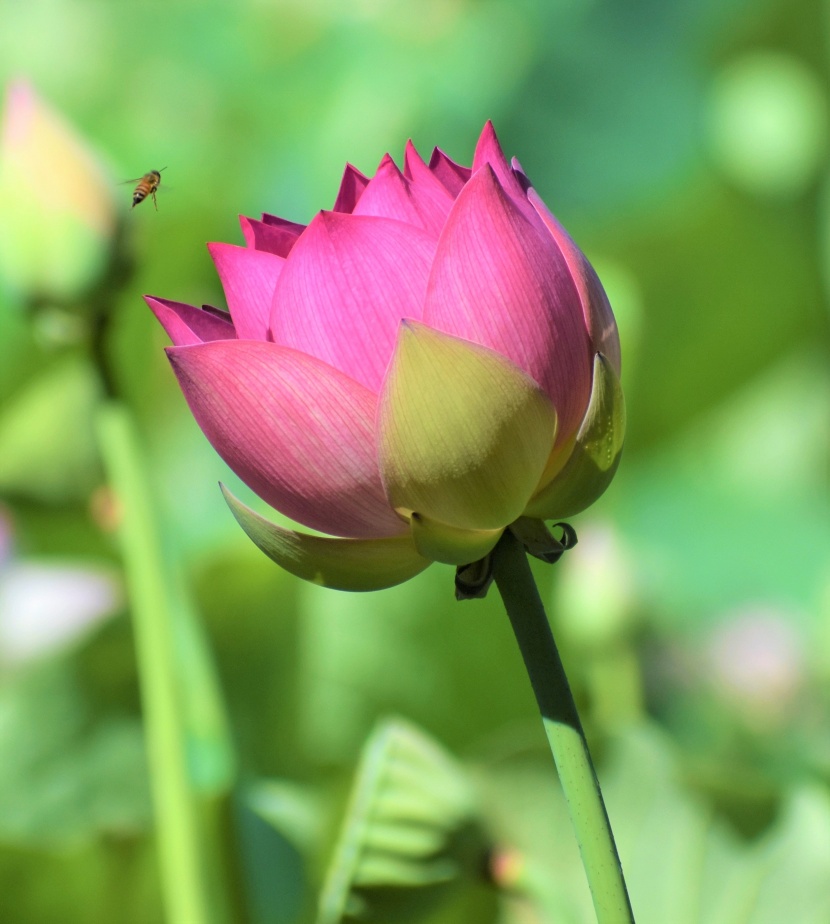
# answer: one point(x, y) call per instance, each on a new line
point(488, 136)
point(185, 324)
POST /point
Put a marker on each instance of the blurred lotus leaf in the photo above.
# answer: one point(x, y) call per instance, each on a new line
point(64, 778)
point(683, 861)
point(411, 831)
point(47, 437)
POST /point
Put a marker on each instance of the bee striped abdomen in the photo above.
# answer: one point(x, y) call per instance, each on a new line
point(147, 186)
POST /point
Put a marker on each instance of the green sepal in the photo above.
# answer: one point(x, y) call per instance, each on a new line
point(540, 542)
point(596, 453)
point(448, 544)
point(465, 434)
point(473, 581)
point(341, 564)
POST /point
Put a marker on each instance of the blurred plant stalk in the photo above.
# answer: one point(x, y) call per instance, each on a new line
point(63, 248)
point(191, 760)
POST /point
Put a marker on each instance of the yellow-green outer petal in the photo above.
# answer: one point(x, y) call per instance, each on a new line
point(342, 564)
point(464, 433)
point(451, 545)
point(596, 454)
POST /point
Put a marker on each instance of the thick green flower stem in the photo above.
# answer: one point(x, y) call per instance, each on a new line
point(564, 730)
point(190, 759)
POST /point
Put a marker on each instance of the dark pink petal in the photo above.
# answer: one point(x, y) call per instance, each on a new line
point(433, 199)
point(351, 188)
point(249, 278)
point(488, 151)
point(220, 313)
point(498, 281)
point(283, 223)
point(345, 287)
point(519, 173)
point(453, 176)
point(276, 239)
point(298, 432)
point(599, 318)
point(185, 324)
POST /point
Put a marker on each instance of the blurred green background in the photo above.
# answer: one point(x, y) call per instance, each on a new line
point(685, 146)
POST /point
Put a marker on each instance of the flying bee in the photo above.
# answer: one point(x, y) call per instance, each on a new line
point(147, 186)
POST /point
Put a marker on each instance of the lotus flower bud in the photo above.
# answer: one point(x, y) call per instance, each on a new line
point(412, 372)
point(58, 215)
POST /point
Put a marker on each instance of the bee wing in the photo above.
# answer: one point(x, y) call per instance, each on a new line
point(133, 180)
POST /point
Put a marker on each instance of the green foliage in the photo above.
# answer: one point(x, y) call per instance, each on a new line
point(410, 831)
point(683, 145)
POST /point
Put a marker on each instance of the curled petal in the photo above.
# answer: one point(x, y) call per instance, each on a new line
point(186, 325)
point(596, 453)
point(298, 432)
point(272, 238)
point(249, 278)
point(599, 319)
point(345, 287)
point(453, 176)
point(450, 545)
point(351, 189)
point(342, 564)
point(464, 434)
point(500, 282)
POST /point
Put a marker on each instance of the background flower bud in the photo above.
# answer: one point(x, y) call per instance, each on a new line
point(58, 212)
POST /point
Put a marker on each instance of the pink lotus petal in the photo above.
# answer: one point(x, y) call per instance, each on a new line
point(433, 199)
point(413, 163)
point(389, 195)
point(276, 239)
point(345, 287)
point(499, 282)
point(351, 189)
point(249, 278)
point(453, 176)
point(599, 319)
point(186, 324)
point(489, 151)
point(298, 432)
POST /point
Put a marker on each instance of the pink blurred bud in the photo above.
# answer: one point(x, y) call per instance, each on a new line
point(58, 214)
point(756, 662)
point(414, 370)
